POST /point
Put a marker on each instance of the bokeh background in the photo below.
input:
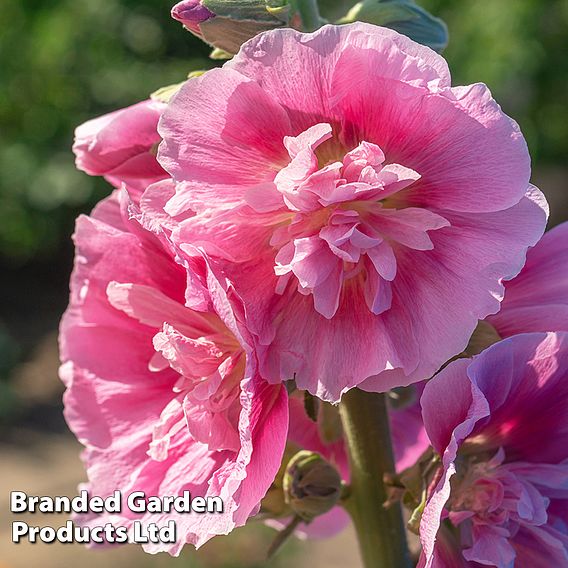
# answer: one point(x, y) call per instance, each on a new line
point(65, 61)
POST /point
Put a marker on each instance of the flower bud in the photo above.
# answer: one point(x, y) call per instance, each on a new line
point(274, 505)
point(120, 146)
point(405, 17)
point(226, 25)
point(191, 13)
point(312, 486)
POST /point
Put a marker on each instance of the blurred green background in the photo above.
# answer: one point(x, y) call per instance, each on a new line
point(61, 63)
point(65, 61)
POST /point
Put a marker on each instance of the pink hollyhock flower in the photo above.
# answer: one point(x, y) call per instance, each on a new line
point(499, 422)
point(365, 211)
point(121, 146)
point(537, 299)
point(164, 398)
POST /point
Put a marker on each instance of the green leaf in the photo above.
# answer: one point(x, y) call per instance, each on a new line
point(405, 17)
point(311, 406)
point(220, 55)
point(164, 94)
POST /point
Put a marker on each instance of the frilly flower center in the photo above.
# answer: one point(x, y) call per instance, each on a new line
point(208, 359)
point(338, 226)
point(498, 496)
point(211, 365)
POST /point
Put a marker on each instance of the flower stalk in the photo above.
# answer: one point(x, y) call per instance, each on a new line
point(380, 530)
point(308, 11)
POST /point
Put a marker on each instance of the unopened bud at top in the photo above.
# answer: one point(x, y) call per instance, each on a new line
point(191, 13)
point(312, 486)
point(227, 24)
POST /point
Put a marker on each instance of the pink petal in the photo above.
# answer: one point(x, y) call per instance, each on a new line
point(537, 299)
point(451, 407)
point(118, 146)
point(492, 177)
point(241, 126)
point(309, 139)
point(274, 58)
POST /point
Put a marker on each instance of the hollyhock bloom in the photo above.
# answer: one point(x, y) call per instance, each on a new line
point(164, 398)
point(121, 146)
point(407, 428)
point(365, 211)
point(500, 424)
point(537, 299)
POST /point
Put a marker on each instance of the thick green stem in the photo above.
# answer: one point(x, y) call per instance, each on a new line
point(380, 531)
point(309, 14)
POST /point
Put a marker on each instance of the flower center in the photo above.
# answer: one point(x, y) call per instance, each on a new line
point(210, 369)
point(480, 493)
point(204, 353)
point(496, 494)
point(339, 227)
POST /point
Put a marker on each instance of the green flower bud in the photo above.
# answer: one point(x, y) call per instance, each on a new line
point(312, 486)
